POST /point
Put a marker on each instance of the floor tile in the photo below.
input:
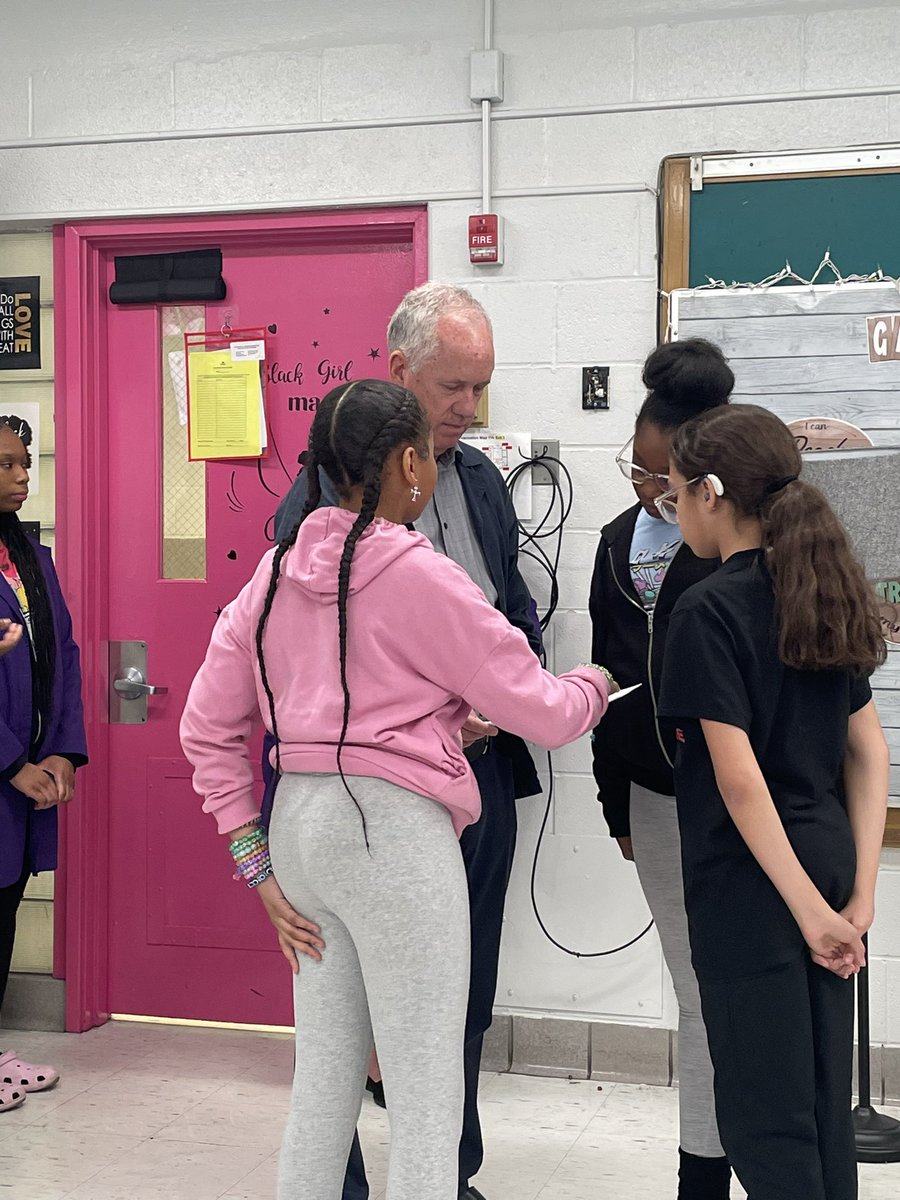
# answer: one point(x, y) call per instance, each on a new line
point(171, 1171)
point(635, 1110)
point(165, 1113)
point(260, 1182)
point(64, 1160)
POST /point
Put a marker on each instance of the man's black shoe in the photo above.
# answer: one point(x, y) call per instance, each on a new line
point(377, 1090)
point(470, 1193)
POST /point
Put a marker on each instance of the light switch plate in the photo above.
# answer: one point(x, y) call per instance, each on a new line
point(543, 476)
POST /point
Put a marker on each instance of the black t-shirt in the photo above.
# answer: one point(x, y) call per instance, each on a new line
point(722, 664)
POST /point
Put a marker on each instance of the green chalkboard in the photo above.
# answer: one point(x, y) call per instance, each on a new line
point(745, 231)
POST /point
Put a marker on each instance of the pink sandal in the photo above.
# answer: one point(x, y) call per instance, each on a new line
point(11, 1097)
point(18, 1074)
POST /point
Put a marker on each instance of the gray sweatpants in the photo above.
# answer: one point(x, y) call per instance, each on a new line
point(395, 924)
point(657, 856)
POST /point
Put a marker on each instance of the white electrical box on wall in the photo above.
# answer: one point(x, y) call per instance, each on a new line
point(486, 76)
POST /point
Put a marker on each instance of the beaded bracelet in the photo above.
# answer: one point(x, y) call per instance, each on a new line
point(247, 842)
point(250, 866)
point(603, 670)
point(263, 875)
point(241, 850)
point(251, 857)
point(255, 873)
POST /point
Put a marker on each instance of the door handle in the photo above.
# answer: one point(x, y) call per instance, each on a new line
point(133, 686)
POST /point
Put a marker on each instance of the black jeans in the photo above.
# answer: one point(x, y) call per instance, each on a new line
point(10, 899)
point(782, 1048)
point(487, 848)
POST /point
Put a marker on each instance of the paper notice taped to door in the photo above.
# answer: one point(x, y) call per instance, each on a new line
point(248, 351)
point(225, 409)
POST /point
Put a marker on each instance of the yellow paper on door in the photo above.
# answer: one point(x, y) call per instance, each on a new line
point(225, 414)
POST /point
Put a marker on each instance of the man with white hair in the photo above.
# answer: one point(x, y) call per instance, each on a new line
point(440, 346)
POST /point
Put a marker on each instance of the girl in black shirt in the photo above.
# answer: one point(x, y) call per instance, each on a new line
point(781, 779)
point(641, 569)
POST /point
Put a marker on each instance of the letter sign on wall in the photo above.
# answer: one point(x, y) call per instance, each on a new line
point(884, 337)
point(20, 323)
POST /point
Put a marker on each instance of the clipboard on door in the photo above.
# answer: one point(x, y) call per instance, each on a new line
point(226, 393)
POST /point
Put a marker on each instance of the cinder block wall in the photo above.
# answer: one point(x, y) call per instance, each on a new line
point(578, 287)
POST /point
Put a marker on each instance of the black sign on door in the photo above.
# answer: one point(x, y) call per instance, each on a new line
point(20, 323)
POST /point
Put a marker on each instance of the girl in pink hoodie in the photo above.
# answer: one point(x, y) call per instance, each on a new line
point(373, 793)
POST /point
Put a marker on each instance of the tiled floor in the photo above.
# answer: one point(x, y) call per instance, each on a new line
point(149, 1112)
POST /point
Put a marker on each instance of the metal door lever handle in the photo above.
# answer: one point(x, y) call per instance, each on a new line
point(132, 687)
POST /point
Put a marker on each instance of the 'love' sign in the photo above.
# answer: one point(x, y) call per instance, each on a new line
point(20, 323)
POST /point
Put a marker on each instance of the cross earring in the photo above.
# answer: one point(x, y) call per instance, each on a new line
point(415, 493)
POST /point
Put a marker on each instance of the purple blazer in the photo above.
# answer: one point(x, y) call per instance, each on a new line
point(65, 733)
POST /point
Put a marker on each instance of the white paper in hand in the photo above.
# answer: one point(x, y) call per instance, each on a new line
point(624, 692)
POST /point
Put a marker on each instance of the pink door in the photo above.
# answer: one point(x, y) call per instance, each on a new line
point(185, 940)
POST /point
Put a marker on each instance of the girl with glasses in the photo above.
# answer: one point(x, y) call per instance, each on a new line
point(781, 776)
point(642, 568)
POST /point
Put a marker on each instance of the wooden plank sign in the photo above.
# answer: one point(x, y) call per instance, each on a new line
point(884, 337)
point(827, 433)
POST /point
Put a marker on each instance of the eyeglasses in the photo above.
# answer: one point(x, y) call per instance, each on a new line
point(637, 475)
point(667, 504)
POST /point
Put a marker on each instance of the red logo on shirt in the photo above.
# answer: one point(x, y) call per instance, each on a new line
point(679, 735)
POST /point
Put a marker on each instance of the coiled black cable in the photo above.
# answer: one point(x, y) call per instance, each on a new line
point(530, 547)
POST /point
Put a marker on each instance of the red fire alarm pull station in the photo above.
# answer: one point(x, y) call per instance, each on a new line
point(486, 239)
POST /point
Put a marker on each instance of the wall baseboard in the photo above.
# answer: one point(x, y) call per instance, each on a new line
point(620, 1053)
point(516, 1045)
point(36, 1002)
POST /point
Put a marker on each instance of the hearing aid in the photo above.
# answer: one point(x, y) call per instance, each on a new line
point(715, 483)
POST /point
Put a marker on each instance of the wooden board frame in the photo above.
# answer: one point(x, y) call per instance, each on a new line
point(675, 235)
point(674, 272)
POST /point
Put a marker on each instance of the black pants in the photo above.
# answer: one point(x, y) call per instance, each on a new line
point(782, 1048)
point(10, 899)
point(487, 848)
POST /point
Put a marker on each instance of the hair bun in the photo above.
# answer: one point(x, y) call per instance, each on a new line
point(691, 376)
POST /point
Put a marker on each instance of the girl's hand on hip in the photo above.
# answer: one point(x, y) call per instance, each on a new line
point(296, 935)
point(835, 944)
point(64, 774)
point(34, 782)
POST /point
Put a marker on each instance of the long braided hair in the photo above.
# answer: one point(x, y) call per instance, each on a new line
point(355, 430)
point(25, 559)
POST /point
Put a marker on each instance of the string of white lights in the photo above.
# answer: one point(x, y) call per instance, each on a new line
point(787, 272)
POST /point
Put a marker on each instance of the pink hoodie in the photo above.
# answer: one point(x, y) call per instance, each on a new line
point(423, 648)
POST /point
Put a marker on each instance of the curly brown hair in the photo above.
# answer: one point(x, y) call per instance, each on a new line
point(826, 609)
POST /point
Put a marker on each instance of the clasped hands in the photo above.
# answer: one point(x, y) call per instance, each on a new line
point(835, 938)
point(52, 780)
point(47, 783)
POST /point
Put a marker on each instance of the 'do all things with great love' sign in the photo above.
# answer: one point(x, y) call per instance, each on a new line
point(20, 323)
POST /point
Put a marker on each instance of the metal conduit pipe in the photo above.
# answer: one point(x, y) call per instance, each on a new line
point(468, 118)
point(39, 220)
point(486, 159)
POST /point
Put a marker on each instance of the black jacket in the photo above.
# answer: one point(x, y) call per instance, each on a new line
point(496, 527)
point(630, 641)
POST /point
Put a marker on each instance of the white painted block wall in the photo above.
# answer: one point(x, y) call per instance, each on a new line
point(579, 282)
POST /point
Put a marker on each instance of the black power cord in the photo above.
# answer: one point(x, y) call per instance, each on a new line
point(530, 547)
